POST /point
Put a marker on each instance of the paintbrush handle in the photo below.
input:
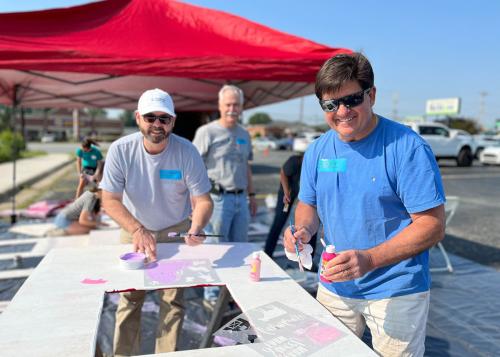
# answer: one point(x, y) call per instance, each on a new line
point(183, 235)
point(292, 230)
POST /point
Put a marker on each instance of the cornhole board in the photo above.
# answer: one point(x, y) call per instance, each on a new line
point(57, 311)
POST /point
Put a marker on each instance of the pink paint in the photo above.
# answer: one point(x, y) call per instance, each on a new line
point(167, 272)
point(323, 334)
point(327, 255)
point(93, 281)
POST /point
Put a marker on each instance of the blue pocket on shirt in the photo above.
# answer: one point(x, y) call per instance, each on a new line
point(332, 165)
point(240, 141)
point(170, 175)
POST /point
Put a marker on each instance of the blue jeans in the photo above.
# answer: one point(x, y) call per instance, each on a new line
point(230, 219)
point(61, 221)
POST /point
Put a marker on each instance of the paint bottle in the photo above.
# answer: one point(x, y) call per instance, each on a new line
point(327, 255)
point(255, 267)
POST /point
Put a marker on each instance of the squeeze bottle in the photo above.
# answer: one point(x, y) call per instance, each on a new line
point(327, 255)
point(255, 267)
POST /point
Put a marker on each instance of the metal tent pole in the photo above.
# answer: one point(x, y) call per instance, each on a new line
point(15, 149)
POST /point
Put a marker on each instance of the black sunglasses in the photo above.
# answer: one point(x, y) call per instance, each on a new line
point(352, 100)
point(164, 119)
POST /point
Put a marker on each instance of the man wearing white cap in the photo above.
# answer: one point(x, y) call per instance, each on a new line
point(148, 181)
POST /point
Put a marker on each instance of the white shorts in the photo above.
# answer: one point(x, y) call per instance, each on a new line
point(397, 324)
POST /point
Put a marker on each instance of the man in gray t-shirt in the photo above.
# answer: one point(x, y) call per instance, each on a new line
point(226, 149)
point(150, 179)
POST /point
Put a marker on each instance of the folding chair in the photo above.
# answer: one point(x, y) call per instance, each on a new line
point(450, 208)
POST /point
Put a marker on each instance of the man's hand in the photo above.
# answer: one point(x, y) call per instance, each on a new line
point(144, 242)
point(302, 236)
point(348, 265)
point(286, 198)
point(253, 206)
point(193, 238)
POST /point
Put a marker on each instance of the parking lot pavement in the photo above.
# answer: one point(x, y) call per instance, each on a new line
point(474, 232)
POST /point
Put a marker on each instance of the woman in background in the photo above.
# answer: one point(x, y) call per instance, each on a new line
point(88, 164)
point(80, 216)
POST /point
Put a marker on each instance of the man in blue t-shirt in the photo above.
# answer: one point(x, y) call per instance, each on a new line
point(376, 187)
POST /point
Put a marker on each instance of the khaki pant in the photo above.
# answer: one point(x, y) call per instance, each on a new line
point(397, 324)
point(127, 341)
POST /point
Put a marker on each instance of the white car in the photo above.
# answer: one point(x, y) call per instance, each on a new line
point(302, 141)
point(263, 143)
point(490, 155)
point(483, 141)
point(48, 138)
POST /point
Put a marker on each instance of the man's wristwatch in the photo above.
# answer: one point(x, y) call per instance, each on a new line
point(251, 194)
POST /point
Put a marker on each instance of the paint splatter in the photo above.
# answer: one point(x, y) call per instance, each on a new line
point(167, 272)
point(320, 334)
point(180, 272)
point(93, 281)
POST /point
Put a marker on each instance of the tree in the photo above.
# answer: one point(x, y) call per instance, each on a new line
point(5, 113)
point(128, 118)
point(469, 125)
point(259, 118)
point(11, 144)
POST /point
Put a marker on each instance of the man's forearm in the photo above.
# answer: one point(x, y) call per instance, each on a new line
point(426, 230)
point(307, 217)
point(284, 182)
point(119, 213)
point(202, 212)
point(250, 188)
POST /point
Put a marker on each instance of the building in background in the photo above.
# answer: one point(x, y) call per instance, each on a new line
point(61, 125)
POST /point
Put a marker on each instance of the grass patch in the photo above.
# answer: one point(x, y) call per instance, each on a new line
point(31, 153)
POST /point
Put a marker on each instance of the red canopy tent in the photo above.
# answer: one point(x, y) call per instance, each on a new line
point(105, 54)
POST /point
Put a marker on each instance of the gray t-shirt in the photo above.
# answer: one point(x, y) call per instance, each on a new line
point(156, 188)
point(226, 152)
point(85, 202)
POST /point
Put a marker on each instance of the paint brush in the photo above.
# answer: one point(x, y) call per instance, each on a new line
point(292, 229)
point(183, 235)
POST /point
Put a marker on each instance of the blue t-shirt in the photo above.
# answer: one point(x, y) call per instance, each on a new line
point(364, 192)
point(89, 158)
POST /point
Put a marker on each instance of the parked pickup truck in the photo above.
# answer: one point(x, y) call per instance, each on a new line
point(447, 143)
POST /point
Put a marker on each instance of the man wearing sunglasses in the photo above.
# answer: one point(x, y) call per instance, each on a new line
point(149, 180)
point(376, 187)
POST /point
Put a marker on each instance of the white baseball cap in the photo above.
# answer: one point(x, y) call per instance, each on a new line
point(155, 100)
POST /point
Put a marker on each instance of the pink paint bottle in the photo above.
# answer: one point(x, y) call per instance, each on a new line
point(255, 267)
point(327, 255)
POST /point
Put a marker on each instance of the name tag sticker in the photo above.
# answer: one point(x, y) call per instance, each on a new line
point(332, 165)
point(240, 141)
point(170, 174)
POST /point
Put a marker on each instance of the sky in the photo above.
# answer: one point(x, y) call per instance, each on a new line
point(419, 50)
